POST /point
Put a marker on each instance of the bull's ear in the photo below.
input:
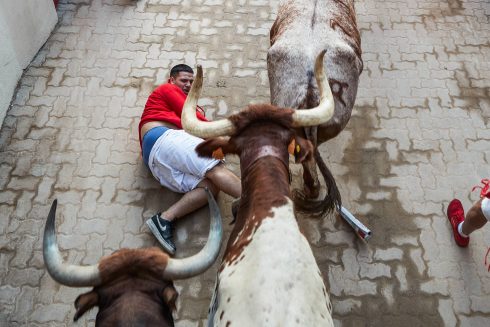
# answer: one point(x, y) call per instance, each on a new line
point(170, 295)
point(215, 147)
point(85, 302)
point(303, 149)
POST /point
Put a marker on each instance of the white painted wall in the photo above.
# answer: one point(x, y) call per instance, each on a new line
point(25, 25)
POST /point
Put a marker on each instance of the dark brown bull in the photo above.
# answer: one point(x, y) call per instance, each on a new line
point(132, 287)
point(302, 29)
point(268, 276)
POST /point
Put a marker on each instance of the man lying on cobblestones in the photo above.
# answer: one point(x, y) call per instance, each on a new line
point(168, 151)
point(476, 218)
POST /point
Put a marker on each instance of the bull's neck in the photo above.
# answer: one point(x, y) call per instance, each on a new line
point(265, 182)
point(265, 186)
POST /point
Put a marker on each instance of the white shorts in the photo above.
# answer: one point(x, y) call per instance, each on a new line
point(174, 162)
point(485, 207)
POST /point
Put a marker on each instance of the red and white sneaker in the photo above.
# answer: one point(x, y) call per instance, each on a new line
point(455, 214)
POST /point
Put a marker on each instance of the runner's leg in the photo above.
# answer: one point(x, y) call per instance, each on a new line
point(190, 201)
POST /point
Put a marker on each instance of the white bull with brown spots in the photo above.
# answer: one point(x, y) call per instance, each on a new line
point(302, 29)
point(268, 275)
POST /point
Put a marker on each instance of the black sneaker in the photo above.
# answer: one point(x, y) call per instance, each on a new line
point(162, 229)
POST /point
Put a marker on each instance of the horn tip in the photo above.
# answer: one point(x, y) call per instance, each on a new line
point(322, 54)
point(53, 207)
point(199, 72)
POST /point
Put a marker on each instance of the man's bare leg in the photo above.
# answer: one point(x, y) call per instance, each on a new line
point(474, 219)
point(225, 180)
point(217, 179)
point(161, 224)
point(191, 201)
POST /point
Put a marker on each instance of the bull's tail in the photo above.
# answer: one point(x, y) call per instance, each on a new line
point(332, 200)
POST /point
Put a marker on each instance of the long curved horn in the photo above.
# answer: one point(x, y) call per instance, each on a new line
point(194, 126)
point(66, 274)
point(81, 276)
point(324, 111)
point(200, 262)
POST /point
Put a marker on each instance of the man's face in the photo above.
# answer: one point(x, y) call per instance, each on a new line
point(183, 80)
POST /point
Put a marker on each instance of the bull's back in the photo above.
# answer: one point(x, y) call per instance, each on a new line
point(301, 31)
point(275, 281)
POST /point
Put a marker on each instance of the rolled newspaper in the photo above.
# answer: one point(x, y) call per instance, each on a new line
point(362, 231)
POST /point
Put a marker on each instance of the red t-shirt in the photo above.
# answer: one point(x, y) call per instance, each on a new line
point(165, 103)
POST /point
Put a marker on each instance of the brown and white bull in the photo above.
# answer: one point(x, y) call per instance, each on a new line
point(132, 287)
point(268, 275)
point(302, 29)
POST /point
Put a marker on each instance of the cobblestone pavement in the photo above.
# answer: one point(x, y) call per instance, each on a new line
point(418, 137)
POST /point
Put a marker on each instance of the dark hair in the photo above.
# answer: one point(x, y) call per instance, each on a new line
point(180, 68)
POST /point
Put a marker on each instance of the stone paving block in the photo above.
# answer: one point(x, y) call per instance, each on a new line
point(36, 260)
point(8, 197)
point(8, 294)
point(416, 256)
point(476, 321)
point(132, 241)
point(50, 313)
point(115, 236)
point(388, 254)
point(108, 190)
point(346, 307)
point(73, 241)
point(461, 299)
point(24, 277)
point(94, 249)
point(20, 260)
point(125, 197)
point(91, 226)
point(375, 270)
point(6, 212)
point(447, 313)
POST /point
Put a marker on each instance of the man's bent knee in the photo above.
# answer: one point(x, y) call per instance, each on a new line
point(219, 173)
point(215, 170)
point(207, 183)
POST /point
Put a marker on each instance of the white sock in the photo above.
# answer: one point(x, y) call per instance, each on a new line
point(460, 229)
